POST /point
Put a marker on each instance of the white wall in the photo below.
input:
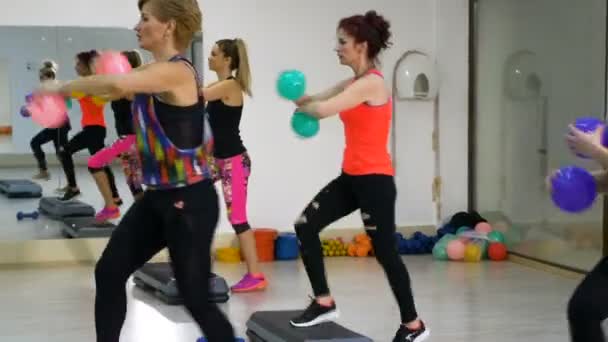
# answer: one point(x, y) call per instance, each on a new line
point(452, 52)
point(5, 94)
point(570, 62)
point(287, 172)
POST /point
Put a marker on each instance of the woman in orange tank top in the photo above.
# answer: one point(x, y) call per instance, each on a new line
point(92, 135)
point(366, 182)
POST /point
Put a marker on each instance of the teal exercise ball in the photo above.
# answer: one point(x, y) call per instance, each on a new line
point(305, 125)
point(291, 84)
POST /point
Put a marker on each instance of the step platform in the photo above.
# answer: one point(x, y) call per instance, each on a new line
point(86, 227)
point(20, 188)
point(56, 209)
point(274, 326)
point(158, 278)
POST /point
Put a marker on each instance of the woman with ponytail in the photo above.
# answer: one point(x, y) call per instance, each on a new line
point(225, 98)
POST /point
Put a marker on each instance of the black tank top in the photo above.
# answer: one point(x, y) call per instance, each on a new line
point(225, 121)
point(183, 125)
point(122, 117)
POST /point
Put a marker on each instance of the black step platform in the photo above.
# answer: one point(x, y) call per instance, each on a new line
point(158, 278)
point(86, 227)
point(56, 209)
point(20, 188)
point(274, 326)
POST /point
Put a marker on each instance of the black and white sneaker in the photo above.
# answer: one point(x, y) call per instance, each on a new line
point(406, 335)
point(69, 194)
point(315, 314)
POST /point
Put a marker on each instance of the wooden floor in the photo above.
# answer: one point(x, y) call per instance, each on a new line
point(489, 302)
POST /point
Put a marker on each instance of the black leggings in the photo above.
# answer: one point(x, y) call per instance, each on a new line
point(91, 138)
point(184, 220)
point(375, 195)
point(588, 306)
point(59, 137)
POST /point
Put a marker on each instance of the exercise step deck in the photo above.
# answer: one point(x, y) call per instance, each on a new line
point(274, 326)
point(158, 278)
point(86, 227)
point(20, 188)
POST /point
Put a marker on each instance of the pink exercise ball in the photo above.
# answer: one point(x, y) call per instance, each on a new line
point(455, 249)
point(112, 63)
point(483, 228)
point(48, 110)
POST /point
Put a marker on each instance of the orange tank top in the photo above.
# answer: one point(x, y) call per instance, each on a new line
point(366, 129)
point(92, 113)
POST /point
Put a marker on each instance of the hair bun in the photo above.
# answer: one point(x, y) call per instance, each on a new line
point(49, 64)
point(381, 25)
point(371, 15)
point(377, 21)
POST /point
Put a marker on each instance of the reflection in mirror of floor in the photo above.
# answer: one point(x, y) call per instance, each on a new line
point(473, 302)
point(577, 245)
point(44, 228)
point(6, 144)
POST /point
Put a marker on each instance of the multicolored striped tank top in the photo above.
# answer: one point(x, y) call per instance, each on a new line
point(164, 165)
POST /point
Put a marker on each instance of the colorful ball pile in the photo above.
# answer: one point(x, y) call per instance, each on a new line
point(472, 244)
point(361, 246)
point(334, 247)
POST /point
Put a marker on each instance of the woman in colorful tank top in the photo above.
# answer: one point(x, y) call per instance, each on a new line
point(179, 208)
point(366, 182)
point(225, 107)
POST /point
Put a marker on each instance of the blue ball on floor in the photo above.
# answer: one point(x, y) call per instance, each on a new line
point(407, 246)
point(449, 229)
point(398, 241)
point(418, 236)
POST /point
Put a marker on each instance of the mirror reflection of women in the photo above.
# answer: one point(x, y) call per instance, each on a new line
point(59, 136)
point(93, 132)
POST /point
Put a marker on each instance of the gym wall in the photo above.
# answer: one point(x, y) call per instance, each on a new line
point(288, 172)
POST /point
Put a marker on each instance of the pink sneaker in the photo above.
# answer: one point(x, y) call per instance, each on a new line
point(250, 283)
point(107, 214)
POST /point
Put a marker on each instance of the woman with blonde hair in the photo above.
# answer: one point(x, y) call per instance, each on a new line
point(179, 208)
point(228, 59)
point(59, 136)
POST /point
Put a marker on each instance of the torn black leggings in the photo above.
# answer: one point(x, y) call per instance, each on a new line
point(588, 306)
point(375, 195)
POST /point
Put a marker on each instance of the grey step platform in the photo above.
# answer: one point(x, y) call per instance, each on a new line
point(20, 188)
point(158, 278)
point(57, 209)
point(274, 326)
point(86, 227)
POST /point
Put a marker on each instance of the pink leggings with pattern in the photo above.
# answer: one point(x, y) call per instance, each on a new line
point(126, 148)
point(234, 174)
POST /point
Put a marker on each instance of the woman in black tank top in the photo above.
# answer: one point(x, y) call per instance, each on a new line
point(225, 108)
point(124, 148)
